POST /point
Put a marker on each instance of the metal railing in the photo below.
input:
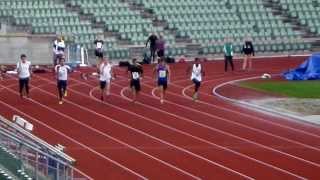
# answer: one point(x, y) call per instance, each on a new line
point(77, 55)
point(27, 156)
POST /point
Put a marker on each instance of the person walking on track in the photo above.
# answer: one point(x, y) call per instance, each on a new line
point(197, 72)
point(24, 73)
point(162, 71)
point(135, 75)
point(62, 78)
point(105, 76)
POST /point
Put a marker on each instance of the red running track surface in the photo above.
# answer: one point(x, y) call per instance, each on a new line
point(181, 139)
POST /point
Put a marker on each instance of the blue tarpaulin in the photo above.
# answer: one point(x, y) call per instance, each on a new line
point(308, 70)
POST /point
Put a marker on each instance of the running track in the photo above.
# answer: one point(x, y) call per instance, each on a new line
point(210, 139)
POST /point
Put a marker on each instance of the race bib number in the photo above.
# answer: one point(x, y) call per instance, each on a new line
point(62, 72)
point(197, 74)
point(162, 73)
point(135, 75)
point(99, 45)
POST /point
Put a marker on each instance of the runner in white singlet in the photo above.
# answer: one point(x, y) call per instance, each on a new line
point(196, 76)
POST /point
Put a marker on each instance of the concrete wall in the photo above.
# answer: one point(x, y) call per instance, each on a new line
point(37, 48)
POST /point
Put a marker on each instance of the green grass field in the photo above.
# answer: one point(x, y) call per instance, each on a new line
point(297, 89)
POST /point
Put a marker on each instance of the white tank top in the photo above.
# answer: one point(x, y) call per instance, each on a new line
point(23, 69)
point(196, 72)
point(105, 72)
point(62, 72)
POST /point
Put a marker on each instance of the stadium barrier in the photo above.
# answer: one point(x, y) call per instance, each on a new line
point(77, 55)
point(26, 156)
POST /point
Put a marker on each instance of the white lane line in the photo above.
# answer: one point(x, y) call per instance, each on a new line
point(251, 116)
point(106, 135)
point(227, 120)
point(206, 141)
point(74, 141)
point(258, 130)
point(148, 135)
point(195, 155)
point(122, 93)
point(254, 107)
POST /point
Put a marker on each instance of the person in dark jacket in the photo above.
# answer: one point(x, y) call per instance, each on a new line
point(160, 46)
point(153, 45)
point(135, 72)
point(248, 51)
point(99, 48)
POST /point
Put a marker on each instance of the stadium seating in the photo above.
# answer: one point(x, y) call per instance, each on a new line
point(118, 17)
point(12, 163)
point(205, 22)
point(307, 11)
point(208, 22)
point(25, 156)
point(45, 17)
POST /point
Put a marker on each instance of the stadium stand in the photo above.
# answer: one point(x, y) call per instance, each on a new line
point(306, 11)
point(209, 22)
point(25, 156)
point(118, 17)
point(202, 24)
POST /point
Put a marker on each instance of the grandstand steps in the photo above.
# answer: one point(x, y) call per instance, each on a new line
point(79, 11)
point(136, 51)
point(288, 19)
point(124, 42)
point(145, 13)
point(316, 45)
point(75, 8)
point(13, 27)
point(193, 49)
point(6, 19)
point(16, 28)
point(149, 14)
point(84, 17)
point(21, 28)
point(116, 35)
point(95, 24)
point(2, 168)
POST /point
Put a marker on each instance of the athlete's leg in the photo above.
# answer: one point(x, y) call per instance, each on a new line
point(196, 89)
point(102, 89)
point(60, 91)
point(245, 61)
point(225, 63)
point(230, 58)
point(250, 61)
point(64, 88)
point(164, 88)
point(108, 86)
point(134, 94)
point(21, 84)
point(27, 86)
point(161, 93)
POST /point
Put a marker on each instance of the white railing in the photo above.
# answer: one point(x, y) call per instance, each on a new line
point(37, 159)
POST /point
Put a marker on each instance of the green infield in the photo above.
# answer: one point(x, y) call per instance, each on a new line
point(297, 89)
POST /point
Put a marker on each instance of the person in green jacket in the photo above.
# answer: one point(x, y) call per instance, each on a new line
point(228, 54)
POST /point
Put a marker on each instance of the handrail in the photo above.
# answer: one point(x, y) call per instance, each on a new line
point(86, 52)
point(12, 136)
point(38, 140)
